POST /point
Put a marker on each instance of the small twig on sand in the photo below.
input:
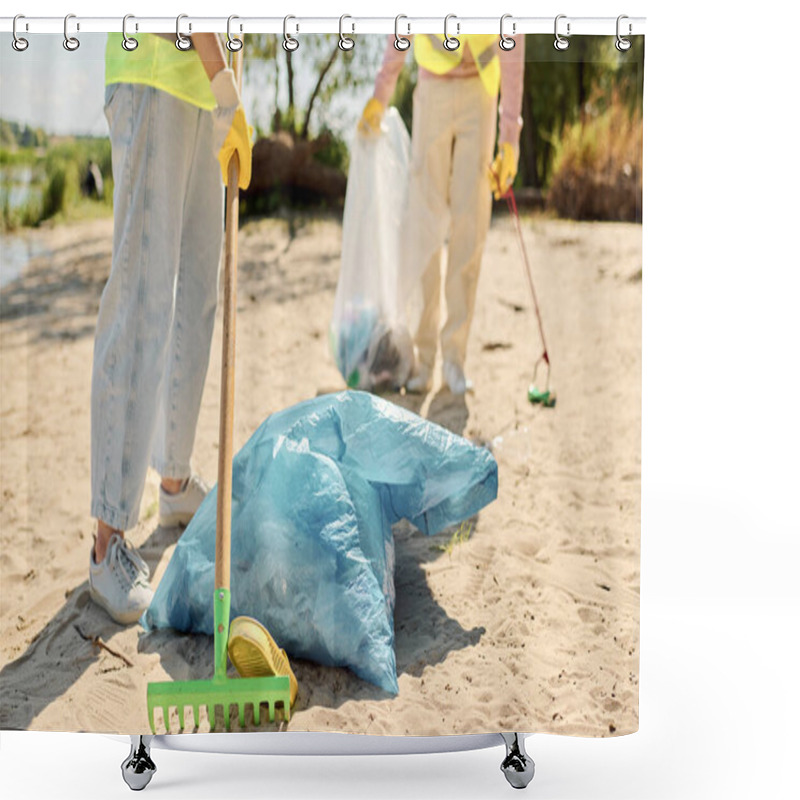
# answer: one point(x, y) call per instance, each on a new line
point(98, 642)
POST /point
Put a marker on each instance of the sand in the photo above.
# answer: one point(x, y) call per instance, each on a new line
point(531, 624)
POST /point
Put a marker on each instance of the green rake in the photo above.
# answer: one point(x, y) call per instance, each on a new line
point(222, 690)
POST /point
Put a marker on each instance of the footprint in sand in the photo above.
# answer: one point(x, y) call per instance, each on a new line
point(590, 615)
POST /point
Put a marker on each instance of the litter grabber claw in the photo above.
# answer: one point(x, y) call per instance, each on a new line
point(545, 397)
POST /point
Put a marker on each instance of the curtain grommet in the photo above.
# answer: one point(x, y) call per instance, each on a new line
point(290, 44)
point(233, 44)
point(182, 42)
point(622, 44)
point(506, 42)
point(560, 42)
point(345, 42)
point(71, 43)
point(19, 43)
point(451, 43)
point(128, 42)
point(401, 43)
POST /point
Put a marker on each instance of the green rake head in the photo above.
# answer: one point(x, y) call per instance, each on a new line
point(212, 694)
point(220, 690)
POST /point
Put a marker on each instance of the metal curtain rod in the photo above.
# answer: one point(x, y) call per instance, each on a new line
point(573, 26)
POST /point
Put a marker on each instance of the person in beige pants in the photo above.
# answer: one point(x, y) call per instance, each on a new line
point(451, 181)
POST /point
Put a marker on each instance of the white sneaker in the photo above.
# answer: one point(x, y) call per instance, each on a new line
point(454, 377)
point(178, 509)
point(120, 583)
point(420, 381)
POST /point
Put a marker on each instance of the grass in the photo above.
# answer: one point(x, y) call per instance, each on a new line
point(151, 510)
point(27, 215)
point(55, 187)
point(461, 535)
point(20, 156)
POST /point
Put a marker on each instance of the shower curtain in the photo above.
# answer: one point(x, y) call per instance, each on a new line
point(444, 244)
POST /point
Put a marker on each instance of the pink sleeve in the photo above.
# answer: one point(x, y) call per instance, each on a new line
point(512, 74)
point(393, 60)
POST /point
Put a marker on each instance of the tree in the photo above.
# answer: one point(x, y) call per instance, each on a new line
point(303, 82)
point(562, 87)
point(301, 147)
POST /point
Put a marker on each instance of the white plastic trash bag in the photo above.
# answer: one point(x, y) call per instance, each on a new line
point(369, 335)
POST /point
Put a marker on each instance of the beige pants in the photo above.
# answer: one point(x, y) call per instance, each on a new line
point(449, 199)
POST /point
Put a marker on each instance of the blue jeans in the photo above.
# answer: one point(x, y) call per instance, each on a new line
point(157, 311)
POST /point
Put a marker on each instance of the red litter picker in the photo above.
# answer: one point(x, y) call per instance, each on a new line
point(546, 396)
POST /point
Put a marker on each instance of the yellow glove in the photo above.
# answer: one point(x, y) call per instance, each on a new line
point(371, 117)
point(503, 169)
point(238, 141)
point(231, 133)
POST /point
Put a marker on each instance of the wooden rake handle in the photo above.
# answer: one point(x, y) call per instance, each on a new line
point(222, 573)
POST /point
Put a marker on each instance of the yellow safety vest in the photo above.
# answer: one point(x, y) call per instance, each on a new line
point(432, 56)
point(157, 62)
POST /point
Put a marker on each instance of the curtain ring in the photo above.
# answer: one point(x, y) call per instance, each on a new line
point(70, 42)
point(450, 42)
point(128, 42)
point(622, 44)
point(400, 42)
point(506, 42)
point(560, 42)
point(345, 42)
point(18, 43)
point(182, 42)
point(234, 45)
point(290, 44)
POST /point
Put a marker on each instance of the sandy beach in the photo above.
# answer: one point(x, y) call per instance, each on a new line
point(530, 625)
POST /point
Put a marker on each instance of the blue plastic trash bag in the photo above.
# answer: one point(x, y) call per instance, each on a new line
point(316, 490)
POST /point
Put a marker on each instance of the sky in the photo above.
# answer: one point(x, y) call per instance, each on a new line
point(46, 86)
point(62, 92)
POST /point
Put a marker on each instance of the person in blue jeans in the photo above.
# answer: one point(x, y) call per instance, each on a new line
point(175, 118)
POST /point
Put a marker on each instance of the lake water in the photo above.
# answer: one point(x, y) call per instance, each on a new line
point(18, 185)
point(16, 251)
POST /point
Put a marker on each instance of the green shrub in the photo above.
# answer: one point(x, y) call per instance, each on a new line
point(55, 189)
point(62, 188)
point(334, 153)
point(24, 216)
point(17, 156)
point(597, 171)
